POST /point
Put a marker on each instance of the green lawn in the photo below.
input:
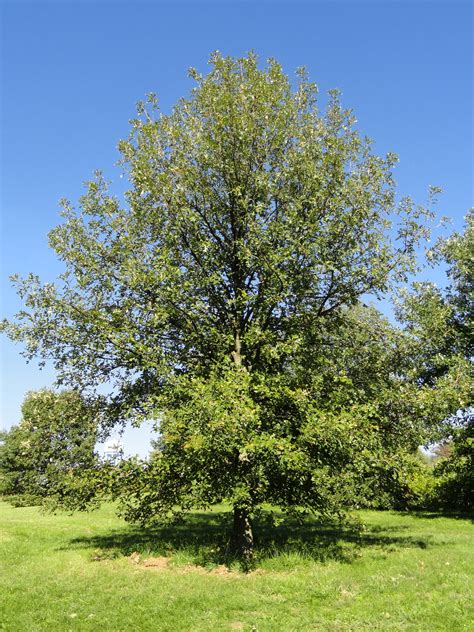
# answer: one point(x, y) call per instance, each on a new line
point(89, 572)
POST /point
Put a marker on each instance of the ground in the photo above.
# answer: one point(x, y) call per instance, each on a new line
point(93, 572)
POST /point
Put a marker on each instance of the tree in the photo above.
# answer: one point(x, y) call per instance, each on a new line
point(456, 489)
point(441, 323)
point(253, 224)
point(56, 436)
point(457, 252)
point(455, 472)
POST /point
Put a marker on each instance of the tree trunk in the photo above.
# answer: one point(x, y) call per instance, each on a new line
point(242, 536)
point(237, 352)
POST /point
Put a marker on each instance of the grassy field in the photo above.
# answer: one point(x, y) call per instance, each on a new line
point(93, 572)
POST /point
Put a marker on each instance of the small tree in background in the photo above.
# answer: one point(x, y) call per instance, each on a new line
point(218, 295)
point(441, 323)
point(455, 472)
point(55, 438)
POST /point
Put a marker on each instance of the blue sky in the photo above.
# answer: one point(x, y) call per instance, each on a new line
point(72, 72)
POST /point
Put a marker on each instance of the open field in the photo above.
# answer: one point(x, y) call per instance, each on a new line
point(93, 572)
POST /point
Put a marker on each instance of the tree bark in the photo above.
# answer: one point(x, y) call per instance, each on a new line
point(237, 352)
point(242, 536)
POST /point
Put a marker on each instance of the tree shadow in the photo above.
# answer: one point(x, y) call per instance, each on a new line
point(203, 539)
point(443, 513)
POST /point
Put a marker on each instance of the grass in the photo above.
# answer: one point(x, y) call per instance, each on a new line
point(88, 572)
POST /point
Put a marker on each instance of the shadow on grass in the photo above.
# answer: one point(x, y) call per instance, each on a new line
point(203, 539)
point(453, 514)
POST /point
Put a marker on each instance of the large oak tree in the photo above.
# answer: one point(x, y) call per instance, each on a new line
point(210, 295)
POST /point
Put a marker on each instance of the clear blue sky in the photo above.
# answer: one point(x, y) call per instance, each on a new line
point(72, 72)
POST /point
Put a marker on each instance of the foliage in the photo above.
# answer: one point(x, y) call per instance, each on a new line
point(455, 484)
point(441, 323)
point(402, 481)
point(349, 438)
point(223, 294)
point(458, 252)
point(55, 438)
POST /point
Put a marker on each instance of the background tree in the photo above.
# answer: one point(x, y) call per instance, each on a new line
point(441, 323)
point(253, 223)
point(455, 472)
point(55, 438)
